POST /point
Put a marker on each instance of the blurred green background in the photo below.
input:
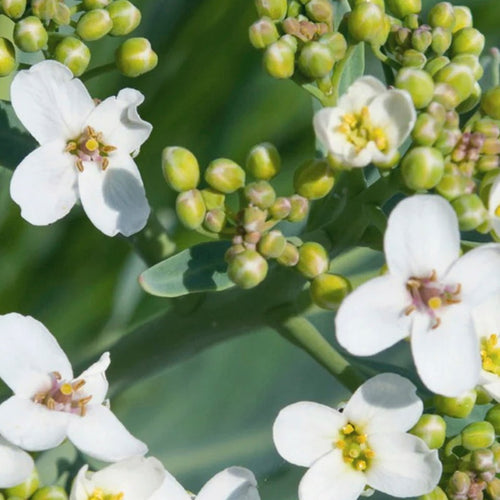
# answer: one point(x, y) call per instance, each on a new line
point(199, 404)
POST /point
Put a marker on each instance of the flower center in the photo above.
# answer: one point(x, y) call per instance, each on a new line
point(64, 396)
point(89, 146)
point(355, 449)
point(490, 354)
point(98, 494)
point(359, 131)
point(429, 295)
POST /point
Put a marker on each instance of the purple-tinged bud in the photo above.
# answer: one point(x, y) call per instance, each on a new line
point(125, 16)
point(422, 168)
point(442, 15)
point(315, 60)
point(458, 76)
point(263, 33)
point(435, 64)
point(490, 103)
point(290, 256)
point(471, 213)
point(320, 11)
point(30, 34)
point(272, 244)
point(251, 239)
point(299, 208)
point(313, 260)
point(225, 175)
point(280, 208)
point(260, 193)
point(263, 162)
point(7, 57)
point(337, 44)
point(50, 493)
point(421, 38)
point(26, 488)
point(247, 269)
point(215, 220)
point(459, 485)
point(431, 429)
point(180, 168)
point(467, 41)
point(459, 407)
point(329, 290)
point(441, 40)
point(274, 9)
point(463, 18)
point(13, 8)
point(403, 8)
point(413, 58)
point(426, 130)
point(279, 60)
point(314, 179)
point(190, 208)
point(418, 84)
point(134, 57)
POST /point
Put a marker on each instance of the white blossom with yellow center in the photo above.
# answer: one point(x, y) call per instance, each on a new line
point(368, 124)
point(365, 445)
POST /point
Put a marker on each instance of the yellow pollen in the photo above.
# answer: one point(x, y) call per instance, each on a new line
point(369, 453)
point(350, 119)
point(98, 494)
point(497, 211)
point(348, 429)
point(360, 465)
point(66, 389)
point(490, 354)
point(340, 444)
point(493, 340)
point(361, 438)
point(365, 113)
point(434, 302)
point(91, 144)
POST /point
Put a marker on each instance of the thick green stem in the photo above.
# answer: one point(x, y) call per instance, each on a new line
point(100, 70)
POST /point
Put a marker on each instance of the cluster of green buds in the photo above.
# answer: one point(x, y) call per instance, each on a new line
point(33, 490)
point(61, 31)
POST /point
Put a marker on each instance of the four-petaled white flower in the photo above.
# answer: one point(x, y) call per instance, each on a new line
point(15, 464)
point(142, 478)
point(368, 124)
point(428, 292)
point(85, 151)
point(48, 404)
point(364, 445)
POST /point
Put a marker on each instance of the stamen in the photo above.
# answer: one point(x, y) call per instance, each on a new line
point(79, 164)
point(360, 465)
point(437, 322)
point(348, 429)
point(340, 444)
point(497, 211)
point(361, 438)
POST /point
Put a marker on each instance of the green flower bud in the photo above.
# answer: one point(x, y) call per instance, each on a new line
point(490, 102)
point(26, 488)
point(418, 83)
point(400, 37)
point(280, 209)
point(487, 163)
point(438, 112)
point(413, 58)
point(456, 407)
point(365, 22)
point(472, 62)
point(254, 219)
point(422, 168)
point(62, 16)
point(320, 11)
point(272, 244)
point(459, 484)
point(403, 8)
point(315, 60)
point(329, 290)
point(262, 33)
point(73, 53)
point(263, 161)
point(421, 38)
point(337, 44)
point(431, 429)
point(7, 57)
point(436, 494)
point(314, 179)
point(180, 168)
point(233, 250)
point(279, 60)
point(483, 398)
point(260, 193)
point(125, 17)
point(487, 127)
point(435, 64)
point(470, 211)
point(13, 8)
point(94, 24)
point(442, 15)
point(390, 162)
point(491, 146)
point(274, 9)
point(313, 260)
point(225, 175)
point(426, 130)
point(247, 269)
point(467, 41)
point(493, 417)
point(290, 256)
point(463, 18)
point(482, 460)
point(95, 4)
point(291, 41)
point(441, 40)
point(477, 435)
point(44, 9)
point(30, 34)
point(472, 101)
point(190, 208)
point(411, 21)
point(447, 140)
point(446, 95)
point(50, 493)
point(135, 57)
point(294, 8)
point(493, 489)
point(215, 220)
point(452, 186)
point(299, 208)
point(212, 198)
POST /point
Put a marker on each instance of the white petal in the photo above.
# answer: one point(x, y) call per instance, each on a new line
point(117, 118)
point(83, 485)
point(32, 426)
point(493, 389)
point(235, 483)
point(361, 93)
point(494, 203)
point(326, 122)
point(487, 317)
point(305, 431)
point(422, 235)
point(330, 478)
point(101, 435)
point(43, 184)
point(385, 403)
point(96, 384)
point(50, 103)
point(447, 357)
point(114, 199)
point(372, 318)
point(29, 353)
point(170, 489)
point(15, 465)
point(403, 465)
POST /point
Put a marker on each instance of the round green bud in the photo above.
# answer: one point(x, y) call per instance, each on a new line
point(291, 41)
point(438, 112)
point(13, 8)
point(403, 8)
point(190, 208)
point(435, 64)
point(313, 260)
point(422, 168)
point(253, 219)
point(467, 41)
point(493, 488)
point(431, 429)
point(50, 493)
point(62, 17)
point(365, 22)
point(472, 61)
point(390, 162)
point(279, 60)
point(487, 163)
point(413, 59)
point(337, 44)
point(180, 168)
point(459, 484)
point(30, 34)
point(73, 53)
point(456, 407)
point(44, 9)
point(94, 24)
point(260, 193)
point(247, 269)
point(320, 11)
point(263, 162)
point(274, 9)
point(421, 39)
point(280, 209)
point(95, 4)
point(135, 57)
point(452, 186)
point(491, 146)
point(7, 57)
point(426, 130)
point(490, 102)
point(477, 435)
point(263, 33)
point(212, 198)
point(483, 398)
point(418, 84)
point(441, 40)
point(446, 95)
point(26, 488)
point(315, 60)
point(411, 21)
point(314, 179)
point(299, 208)
point(470, 211)
point(225, 175)
point(294, 8)
point(487, 127)
point(329, 290)
point(472, 101)
point(272, 244)
point(290, 255)
point(463, 18)
point(215, 220)
point(442, 15)
point(447, 140)
point(125, 17)
point(436, 494)
point(482, 460)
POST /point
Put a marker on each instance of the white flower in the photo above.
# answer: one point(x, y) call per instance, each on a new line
point(428, 292)
point(15, 465)
point(368, 124)
point(48, 404)
point(494, 205)
point(142, 478)
point(85, 151)
point(364, 445)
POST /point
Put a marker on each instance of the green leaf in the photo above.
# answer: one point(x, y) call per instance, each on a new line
point(354, 68)
point(197, 269)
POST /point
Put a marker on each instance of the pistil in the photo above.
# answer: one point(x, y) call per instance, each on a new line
point(90, 146)
point(354, 446)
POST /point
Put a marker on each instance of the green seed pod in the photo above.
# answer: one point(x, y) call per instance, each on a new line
point(421, 39)
point(315, 60)
point(447, 140)
point(212, 198)
point(472, 62)
point(470, 211)
point(280, 209)
point(459, 484)
point(95, 4)
point(272, 244)
point(73, 53)
point(190, 208)
point(477, 435)
point(247, 269)
point(290, 256)
point(94, 24)
point(13, 8)
point(263, 161)
point(337, 44)
point(313, 260)
point(274, 9)
point(493, 488)
point(30, 34)
point(426, 130)
point(431, 429)
point(263, 33)
point(412, 58)
point(135, 57)
point(365, 22)
point(436, 494)
point(452, 186)
point(422, 168)
point(463, 18)
point(225, 175)
point(490, 102)
point(418, 83)
point(50, 493)
point(299, 208)
point(180, 168)
point(467, 41)
point(26, 488)
point(320, 11)
point(314, 179)
point(44, 9)
point(7, 57)
point(279, 60)
point(442, 15)
point(329, 290)
point(435, 64)
point(403, 8)
point(215, 220)
point(456, 407)
point(125, 17)
point(260, 193)
point(441, 40)
point(446, 95)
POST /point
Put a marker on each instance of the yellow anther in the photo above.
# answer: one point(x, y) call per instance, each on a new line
point(348, 429)
point(350, 119)
point(365, 113)
point(380, 139)
point(369, 453)
point(361, 438)
point(66, 389)
point(435, 302)
point(497, 211)
point(340, 444)
point(91, 144)
point(344, 128)
point(493, 340)
point(348, 459)
point(488, 364)
point(360, 465)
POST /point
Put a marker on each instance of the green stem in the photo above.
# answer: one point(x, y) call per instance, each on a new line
point(452, 443)
point(388, 74)
point(100, 70)
point(495, 69)
point(337, 74)
point(315, 92)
